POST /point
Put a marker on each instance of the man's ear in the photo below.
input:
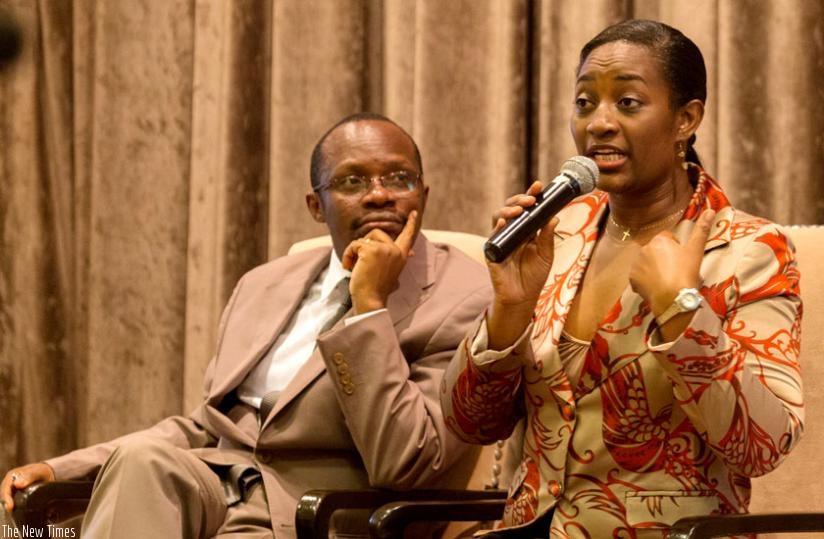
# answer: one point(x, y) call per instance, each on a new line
point(691, 116)
point(314, 205)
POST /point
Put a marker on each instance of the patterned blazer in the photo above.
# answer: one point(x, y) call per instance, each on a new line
point(651, 432)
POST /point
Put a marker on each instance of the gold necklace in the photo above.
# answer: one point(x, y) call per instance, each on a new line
point(627, 232)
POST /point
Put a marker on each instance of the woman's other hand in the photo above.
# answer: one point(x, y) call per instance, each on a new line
point(664, 266)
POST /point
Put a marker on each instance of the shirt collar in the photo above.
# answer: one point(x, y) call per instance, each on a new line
point(334, 274)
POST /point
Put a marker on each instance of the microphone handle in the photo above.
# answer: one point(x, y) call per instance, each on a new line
point(548, 203)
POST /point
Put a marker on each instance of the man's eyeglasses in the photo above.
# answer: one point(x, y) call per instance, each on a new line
point(398, 182)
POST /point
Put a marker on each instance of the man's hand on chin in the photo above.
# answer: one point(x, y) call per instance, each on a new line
point(376, 261)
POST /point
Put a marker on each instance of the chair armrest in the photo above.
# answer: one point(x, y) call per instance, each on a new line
point(390, 520)
point(42, 503)
point(315, 507)
point(723, 525)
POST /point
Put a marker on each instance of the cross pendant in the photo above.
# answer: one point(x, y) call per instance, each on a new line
point(625, 235)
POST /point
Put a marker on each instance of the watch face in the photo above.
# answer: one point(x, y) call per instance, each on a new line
point(689, 299)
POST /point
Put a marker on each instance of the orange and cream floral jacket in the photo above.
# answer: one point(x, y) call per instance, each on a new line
point(652, 431)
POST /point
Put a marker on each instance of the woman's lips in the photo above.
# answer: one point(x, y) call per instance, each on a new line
point(608, 161)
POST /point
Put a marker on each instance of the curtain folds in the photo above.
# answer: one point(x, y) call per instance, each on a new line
point(152, 152)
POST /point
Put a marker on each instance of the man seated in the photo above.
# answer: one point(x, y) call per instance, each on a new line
point(292, 403)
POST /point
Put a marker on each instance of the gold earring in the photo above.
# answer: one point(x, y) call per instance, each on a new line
point(682, 155)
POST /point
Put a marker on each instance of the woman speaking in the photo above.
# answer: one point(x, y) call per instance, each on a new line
point(647, 336)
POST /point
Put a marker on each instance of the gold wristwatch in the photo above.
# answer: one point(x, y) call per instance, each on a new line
point(687, 300)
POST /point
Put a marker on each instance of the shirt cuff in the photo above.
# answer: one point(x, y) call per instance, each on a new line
point(481, 355)
point(654, 342)
point(362, 316)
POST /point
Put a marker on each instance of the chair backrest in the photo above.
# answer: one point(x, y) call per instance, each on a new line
point(471, 244)
point(794, 485)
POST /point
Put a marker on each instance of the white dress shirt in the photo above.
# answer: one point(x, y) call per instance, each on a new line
point(294, 346)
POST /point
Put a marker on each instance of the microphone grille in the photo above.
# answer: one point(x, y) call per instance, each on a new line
point(584, 170)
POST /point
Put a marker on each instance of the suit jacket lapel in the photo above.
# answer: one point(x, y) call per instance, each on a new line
point(274, 307)
point(414, 280)
point(600, 364)
point(416, 277)
point(577, 233)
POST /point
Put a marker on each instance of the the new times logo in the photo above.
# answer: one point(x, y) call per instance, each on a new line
point(31, 531)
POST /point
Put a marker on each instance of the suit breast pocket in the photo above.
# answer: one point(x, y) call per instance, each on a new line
point(661, 509)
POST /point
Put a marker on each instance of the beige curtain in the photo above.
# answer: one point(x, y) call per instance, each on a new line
point(154, 150)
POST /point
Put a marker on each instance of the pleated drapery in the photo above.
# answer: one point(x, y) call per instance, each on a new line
point(153, 151)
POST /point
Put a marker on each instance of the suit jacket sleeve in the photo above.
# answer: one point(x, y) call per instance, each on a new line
point(390, 396)
point(735, 369)
point(482, 388)
point(86, 462)
point(186, 432)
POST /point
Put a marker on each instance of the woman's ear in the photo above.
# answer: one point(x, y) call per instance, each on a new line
point(690, 117)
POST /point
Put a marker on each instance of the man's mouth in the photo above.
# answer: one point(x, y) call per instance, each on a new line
point(386, 222)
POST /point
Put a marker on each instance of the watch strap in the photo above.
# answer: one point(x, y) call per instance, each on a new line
point(679, 305)
point(667, 315)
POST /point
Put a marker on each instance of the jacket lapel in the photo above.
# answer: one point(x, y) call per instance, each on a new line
point(416, 277)
point(415, 280)
point(631, 311)
point(273, 307)
point(575, 240)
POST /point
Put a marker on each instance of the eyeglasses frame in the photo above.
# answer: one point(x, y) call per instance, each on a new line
point(328, 185)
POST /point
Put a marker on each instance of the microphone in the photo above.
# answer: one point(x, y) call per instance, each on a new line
point(577, 177)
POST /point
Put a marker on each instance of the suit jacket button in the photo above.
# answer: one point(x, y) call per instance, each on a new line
point(338, 358)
